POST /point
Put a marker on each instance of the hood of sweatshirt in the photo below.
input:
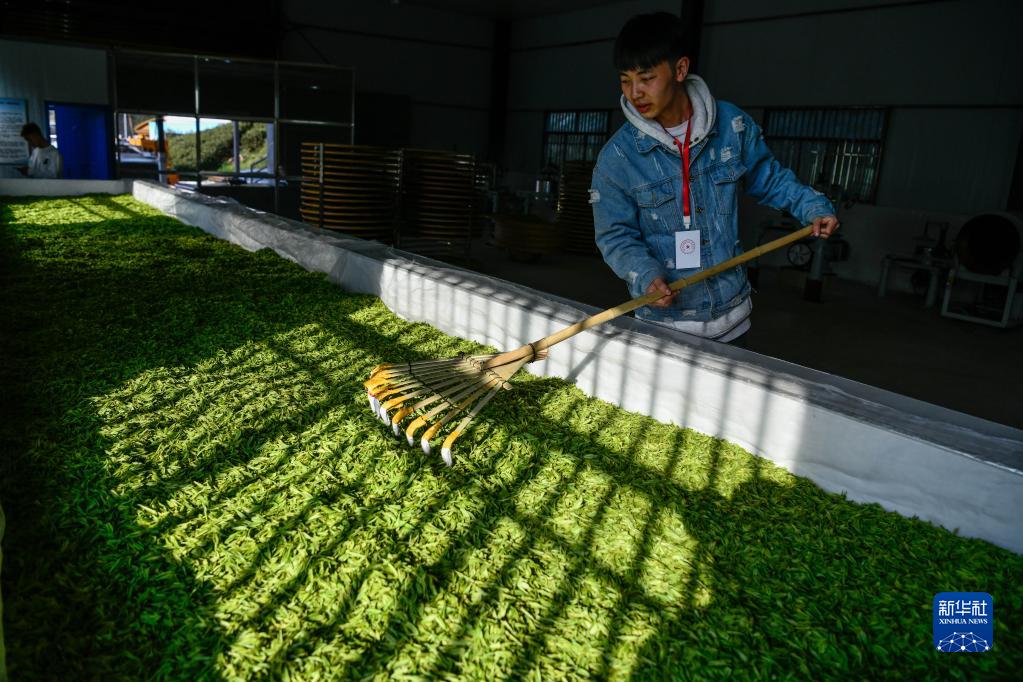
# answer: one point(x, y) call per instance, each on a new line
point(702, 121)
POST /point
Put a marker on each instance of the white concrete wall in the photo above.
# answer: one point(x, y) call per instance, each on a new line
point(563, 61)
point(40, 73)
point(950, 52)
point(440, 60)
point(39, 187)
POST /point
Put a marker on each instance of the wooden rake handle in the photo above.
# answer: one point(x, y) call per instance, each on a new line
point(619, 310)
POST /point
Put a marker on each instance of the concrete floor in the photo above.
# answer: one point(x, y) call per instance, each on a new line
point(890, 342)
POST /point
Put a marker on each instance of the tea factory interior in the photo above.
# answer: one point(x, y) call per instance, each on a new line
point(437, 157)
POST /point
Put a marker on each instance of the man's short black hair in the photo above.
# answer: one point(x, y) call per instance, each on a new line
point(31, 129)
point(646, 40)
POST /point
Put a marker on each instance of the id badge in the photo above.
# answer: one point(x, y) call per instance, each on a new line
point(687, 250)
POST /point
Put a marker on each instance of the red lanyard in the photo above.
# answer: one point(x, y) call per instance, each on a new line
point(684, 151)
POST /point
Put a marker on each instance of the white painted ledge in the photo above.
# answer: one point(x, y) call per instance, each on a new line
point(36, 187)
point(911, 457)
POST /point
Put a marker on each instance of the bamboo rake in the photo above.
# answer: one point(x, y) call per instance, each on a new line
point(447, 388)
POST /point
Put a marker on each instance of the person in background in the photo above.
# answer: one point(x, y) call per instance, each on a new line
point(666, 185)
point(44, 161)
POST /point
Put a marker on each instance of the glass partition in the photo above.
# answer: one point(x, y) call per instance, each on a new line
point(225, 120)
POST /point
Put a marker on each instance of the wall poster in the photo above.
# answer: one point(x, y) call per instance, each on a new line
point(13, 148)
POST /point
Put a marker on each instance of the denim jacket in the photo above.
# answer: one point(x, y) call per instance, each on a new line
point(636, 195)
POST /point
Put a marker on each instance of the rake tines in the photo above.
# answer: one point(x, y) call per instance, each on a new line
point(445, 389)
point(435, 392)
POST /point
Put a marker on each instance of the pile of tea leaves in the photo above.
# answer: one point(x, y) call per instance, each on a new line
point(196, 489)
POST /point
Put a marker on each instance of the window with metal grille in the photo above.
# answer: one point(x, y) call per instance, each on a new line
point(574, 135)
point(838, 151)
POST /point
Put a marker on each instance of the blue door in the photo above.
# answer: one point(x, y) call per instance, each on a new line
point(85, 134)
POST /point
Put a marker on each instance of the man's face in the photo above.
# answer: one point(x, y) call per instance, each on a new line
point(656, 90)
point(33, 140)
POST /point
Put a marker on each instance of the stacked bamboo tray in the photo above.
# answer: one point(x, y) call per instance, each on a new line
point(354, 189)
point(574, 215)
point(423, 201)
point(438, 202)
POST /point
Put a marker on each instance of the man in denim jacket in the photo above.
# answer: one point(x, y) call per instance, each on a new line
point(637, 198)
